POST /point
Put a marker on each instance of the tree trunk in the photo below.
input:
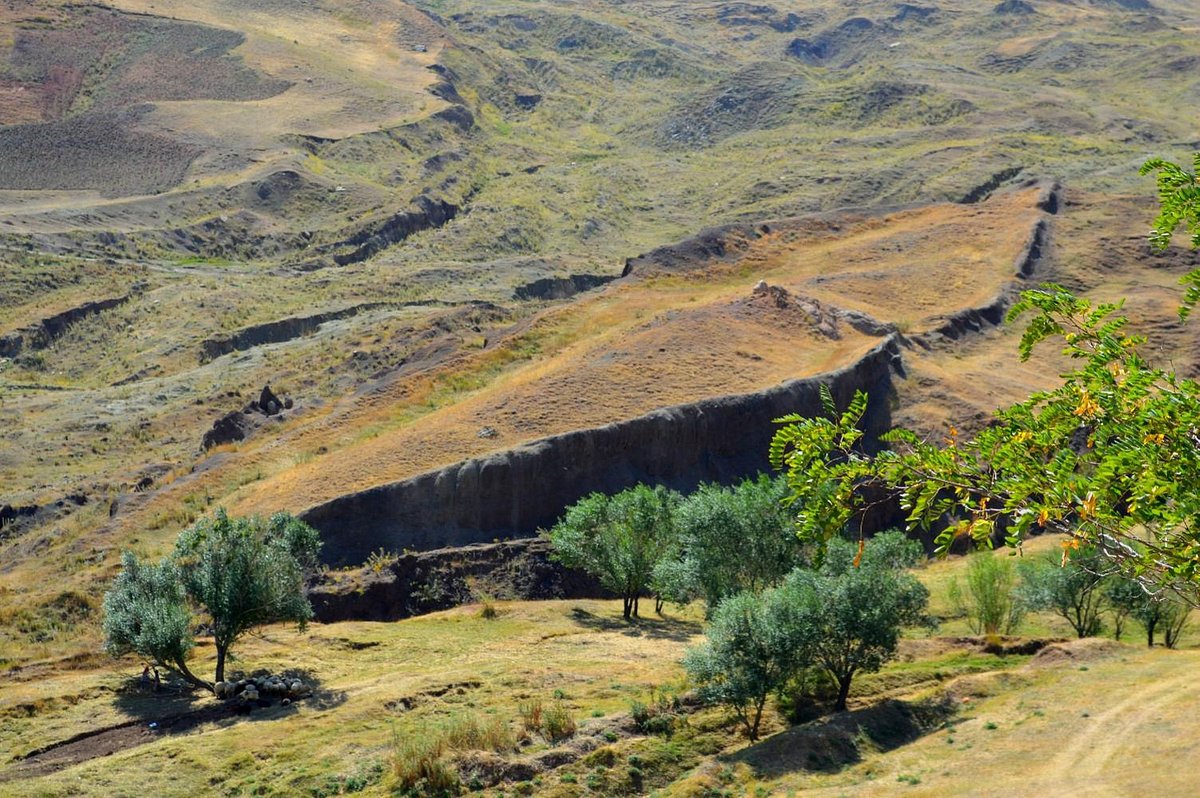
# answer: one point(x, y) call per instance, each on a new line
point(181, 666)
point(843, 692)
point(658, 605)
point(636, 599)
point(221, 651)
point(1150, 634)
point(758, 710)
point(627, 607)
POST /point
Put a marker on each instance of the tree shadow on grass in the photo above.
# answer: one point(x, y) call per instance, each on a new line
point(659, 628)
point(834, 742)
point(178, 706)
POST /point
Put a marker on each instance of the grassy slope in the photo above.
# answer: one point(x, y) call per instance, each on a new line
point(1096, 725)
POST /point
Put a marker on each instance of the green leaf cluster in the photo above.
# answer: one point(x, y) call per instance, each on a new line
point(843, 617)
point(235, 573)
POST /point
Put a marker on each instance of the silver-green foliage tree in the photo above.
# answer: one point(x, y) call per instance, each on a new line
point(844, 617)
point(146, 612)
point(246, 572)
point(1108, 457)
point(1073, 589)
point(855, 605)
point(234, 573)
point(730, 539)
point(756, 642)
point(619, 539)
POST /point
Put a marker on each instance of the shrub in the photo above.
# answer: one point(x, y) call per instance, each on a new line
point(557, 722)
point(990, 603)
point(531, 715)
point(418, 767)
point(472, 733)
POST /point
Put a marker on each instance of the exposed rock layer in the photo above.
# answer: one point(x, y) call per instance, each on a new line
point(514, 493)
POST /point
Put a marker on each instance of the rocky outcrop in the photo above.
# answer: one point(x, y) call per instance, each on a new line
point(274, 332)
point(514, 493)
point(416, 583)
point(237, 425)
point(43, 333)
point(426, 213)
point(560, 287)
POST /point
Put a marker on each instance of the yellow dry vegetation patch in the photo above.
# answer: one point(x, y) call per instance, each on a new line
point(354, 66)
point(373, 681)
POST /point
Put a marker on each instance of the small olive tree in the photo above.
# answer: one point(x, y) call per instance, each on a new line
point(236, 573)
point(146, 613)
point(1071, 588)
point(619, 539)
point(755, 645)
point(246, 572)
point(853, 607)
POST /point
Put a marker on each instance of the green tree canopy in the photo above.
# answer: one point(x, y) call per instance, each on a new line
point(754, 644)
point(730, 540)
point(619, 539)
point(1072, 589)
point(146, 612)
point(237, 573)
point(854, 606)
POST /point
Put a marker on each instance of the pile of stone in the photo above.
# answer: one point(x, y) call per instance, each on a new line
point(259, 689)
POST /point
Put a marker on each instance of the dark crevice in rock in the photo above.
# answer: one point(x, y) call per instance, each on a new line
point(985, 189)
point(560, 287)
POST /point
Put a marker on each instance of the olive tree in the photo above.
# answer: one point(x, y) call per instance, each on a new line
point(844, 618)
point(146, 613)
point(1071, 588)
point(619, 539)
point(236, 574)
point(730, 539)
point(755, 644)
point(853, 607)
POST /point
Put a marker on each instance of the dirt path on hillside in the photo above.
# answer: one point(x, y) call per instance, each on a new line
point(107, 741)
point(1100, 737)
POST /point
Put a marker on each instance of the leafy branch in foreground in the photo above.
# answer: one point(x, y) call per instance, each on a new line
point(1109, 457)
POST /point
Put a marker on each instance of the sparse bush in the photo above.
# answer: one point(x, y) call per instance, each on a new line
point(991, 602)
point(488, 611)
point(531, 715)
point(473, 733)
point(418, 767)
point(557, 722)
point(660, 715)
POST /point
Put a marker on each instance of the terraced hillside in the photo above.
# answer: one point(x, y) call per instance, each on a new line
point(411, 220)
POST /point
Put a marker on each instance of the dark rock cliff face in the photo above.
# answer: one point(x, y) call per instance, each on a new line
point(514, 493)
point(429, 581)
